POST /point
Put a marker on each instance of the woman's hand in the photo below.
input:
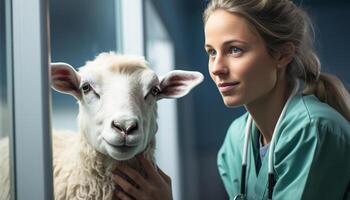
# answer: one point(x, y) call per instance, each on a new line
point(157, 185)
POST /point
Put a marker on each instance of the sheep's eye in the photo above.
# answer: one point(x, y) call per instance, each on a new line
point(155, 91)
point(86, 88)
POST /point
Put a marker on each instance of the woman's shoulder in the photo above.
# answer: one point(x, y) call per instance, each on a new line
point(320, 110)
point(308, 109)
point(311, 132)
point(307, 116)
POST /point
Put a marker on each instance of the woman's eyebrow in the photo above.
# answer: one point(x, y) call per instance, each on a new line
point(207, 46)
point(235, 41)
point(229, 42)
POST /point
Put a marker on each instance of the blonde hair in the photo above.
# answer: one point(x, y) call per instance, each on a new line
point(281, 21)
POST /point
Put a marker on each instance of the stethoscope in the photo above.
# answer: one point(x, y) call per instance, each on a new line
point(271, 176)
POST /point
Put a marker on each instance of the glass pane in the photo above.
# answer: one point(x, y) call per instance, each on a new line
point(5, 175)
point(80, 30)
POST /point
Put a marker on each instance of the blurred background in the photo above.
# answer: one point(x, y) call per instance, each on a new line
point(170, 35)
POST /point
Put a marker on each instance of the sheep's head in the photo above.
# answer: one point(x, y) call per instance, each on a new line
point(117, 98)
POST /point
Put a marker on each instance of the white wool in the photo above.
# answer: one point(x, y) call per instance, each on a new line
point(4, 169)
point(79, 172)
point(82, 172)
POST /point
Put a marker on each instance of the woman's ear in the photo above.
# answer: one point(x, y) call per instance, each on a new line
point(285, 54)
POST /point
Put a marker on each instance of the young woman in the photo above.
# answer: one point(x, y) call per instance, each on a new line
point(294, 140)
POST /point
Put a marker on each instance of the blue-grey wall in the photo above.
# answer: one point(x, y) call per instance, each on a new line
point(202, 116)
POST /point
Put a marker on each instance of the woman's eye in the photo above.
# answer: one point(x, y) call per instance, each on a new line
point(235, 50)
point(211, 52)
point(86, 88)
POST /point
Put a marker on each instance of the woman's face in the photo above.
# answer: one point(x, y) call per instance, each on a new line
point(239, 62)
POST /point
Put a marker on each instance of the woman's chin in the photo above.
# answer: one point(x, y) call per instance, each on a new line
point(232, 102)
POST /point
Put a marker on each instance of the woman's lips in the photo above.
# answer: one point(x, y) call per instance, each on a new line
point(226, 87)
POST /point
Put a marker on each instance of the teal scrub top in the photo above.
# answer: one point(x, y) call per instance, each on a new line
point(311, 156)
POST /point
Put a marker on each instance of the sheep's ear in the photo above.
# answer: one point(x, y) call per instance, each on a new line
point(178, 83)
point(65, 79)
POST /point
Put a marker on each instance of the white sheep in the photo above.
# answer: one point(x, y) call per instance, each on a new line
point(4, 169)
point(117, 98)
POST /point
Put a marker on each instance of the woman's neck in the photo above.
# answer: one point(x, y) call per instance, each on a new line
point(266, 110)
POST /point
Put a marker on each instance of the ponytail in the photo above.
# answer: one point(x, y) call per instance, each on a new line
point(329, 89)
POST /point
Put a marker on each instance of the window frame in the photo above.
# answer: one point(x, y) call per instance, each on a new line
point(30, 97)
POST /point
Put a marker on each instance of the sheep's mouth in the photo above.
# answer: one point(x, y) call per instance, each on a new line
point(122, 148)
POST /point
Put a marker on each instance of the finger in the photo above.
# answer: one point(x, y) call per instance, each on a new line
point(132, 174)
point(126, 186)
point(164, 175)
point(149, 168)
point(122, 196)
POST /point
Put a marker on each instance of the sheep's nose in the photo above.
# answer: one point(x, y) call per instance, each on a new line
point(125, 126)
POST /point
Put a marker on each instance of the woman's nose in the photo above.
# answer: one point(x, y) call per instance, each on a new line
point(219, 66)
